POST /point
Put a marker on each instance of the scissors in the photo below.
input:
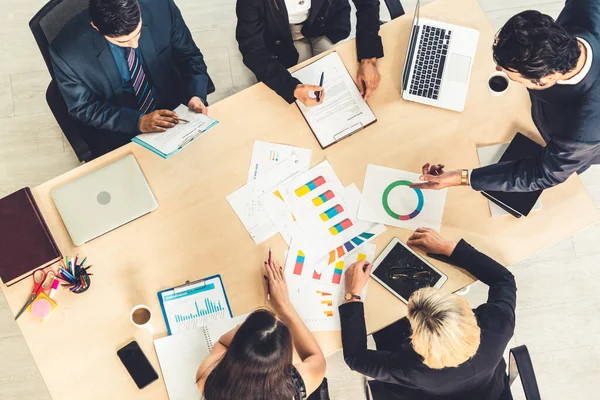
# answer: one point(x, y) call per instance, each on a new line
point(42, 281)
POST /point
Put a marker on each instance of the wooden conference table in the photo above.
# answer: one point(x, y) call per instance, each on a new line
point(195, 233)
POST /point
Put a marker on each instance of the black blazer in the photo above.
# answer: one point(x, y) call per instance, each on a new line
point(483, 377)
point(567, 116)
point(89, 80)
point(265, 40)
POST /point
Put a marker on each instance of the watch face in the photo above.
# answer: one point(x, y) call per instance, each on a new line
point(348, 296)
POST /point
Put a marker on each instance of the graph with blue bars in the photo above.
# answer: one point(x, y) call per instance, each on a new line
point(210, 307)
point(195, 305)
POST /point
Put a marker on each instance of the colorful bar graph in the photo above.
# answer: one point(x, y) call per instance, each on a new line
point(337, 272)
point(299, 263)
point(323, 198)
point(310, 186)
point(341, 227)
point(323, 293)
point(328, 313)
point(327, 302)
point(332, 212)
point(342, 250)
point(316, 275)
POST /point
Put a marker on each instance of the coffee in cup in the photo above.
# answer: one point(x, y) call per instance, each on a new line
point(141, 316)
point(498, 83)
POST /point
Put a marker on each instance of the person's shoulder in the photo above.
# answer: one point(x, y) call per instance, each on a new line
point(496, 317)
point(74, 36)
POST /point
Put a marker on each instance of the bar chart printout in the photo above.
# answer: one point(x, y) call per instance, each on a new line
point(196, 305)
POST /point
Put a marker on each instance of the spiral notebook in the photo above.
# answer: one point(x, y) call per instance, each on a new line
point(180, 356)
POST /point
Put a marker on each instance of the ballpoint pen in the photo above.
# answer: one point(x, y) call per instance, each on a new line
point(185, 121)
point(318, 94)
point(268, 284)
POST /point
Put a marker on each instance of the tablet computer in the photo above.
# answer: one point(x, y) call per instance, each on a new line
point(402, 271)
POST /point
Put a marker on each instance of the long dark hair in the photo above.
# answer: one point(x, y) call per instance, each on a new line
point(258, 363)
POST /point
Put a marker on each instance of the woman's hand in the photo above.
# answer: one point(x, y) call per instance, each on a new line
point(357, 276)
point(277, 288)
point(430, 241)
point(302, 93)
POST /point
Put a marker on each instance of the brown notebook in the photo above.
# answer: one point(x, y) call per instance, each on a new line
point(25, 241)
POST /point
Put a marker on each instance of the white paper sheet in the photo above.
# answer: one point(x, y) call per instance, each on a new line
point(245, 201)
point(343, 111)
point(302, 194)
point(181, 134)
point(406, 208)
point(266, 155)
point(180, 356)
point(489, 155)
point(316, 297)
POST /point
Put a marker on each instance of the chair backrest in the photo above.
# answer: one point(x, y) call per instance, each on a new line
point(50, 21)
point(520, 365)
point(395, 8)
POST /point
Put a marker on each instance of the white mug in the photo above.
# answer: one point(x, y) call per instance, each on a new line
point(146, 318)
point(503, 75)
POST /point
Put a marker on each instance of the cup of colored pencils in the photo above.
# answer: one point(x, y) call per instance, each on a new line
point(74, 274)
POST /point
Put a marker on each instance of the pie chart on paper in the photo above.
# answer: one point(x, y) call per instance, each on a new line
point(387, 198)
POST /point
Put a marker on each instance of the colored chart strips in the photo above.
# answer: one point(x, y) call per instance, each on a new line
point(332, 212)
point(401, 217)
point(323, 198)
point(341, 227)
point(310, 186)
point(348, 246)
point(326, 302)
point(299, 263)
point(337, 273)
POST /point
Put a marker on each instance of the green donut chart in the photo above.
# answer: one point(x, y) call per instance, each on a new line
point(390, 212)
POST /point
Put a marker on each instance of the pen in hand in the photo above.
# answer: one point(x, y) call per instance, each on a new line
point(267, 279)
point(318, 94)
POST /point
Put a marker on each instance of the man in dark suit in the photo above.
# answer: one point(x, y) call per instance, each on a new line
point(442, 350)
point(559, 63)
point(124, 65)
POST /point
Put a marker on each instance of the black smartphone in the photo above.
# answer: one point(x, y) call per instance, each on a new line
point(138, 366)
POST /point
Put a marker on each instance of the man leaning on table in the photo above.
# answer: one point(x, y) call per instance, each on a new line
point(442, 349)
point(123, 65)
point(559, 64)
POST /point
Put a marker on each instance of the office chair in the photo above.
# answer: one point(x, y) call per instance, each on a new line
point(519, 364)
point(46, 26)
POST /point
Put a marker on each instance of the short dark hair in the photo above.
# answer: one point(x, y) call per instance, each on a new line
point(534, 45)
point(115, 18)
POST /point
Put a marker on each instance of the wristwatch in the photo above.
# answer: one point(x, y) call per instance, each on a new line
point(349, 296)
point(464, 177)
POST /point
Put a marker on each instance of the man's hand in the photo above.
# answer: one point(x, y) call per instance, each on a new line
point(357, 276)
point(436, 178)
point(430, 241)
point(195, 104)
point(158, 121)
point(368, 77)
point(301, 93)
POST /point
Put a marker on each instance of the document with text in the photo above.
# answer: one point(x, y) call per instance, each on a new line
point(343, 110)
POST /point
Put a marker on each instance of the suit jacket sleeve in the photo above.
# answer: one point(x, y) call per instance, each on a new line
point(256, 56)
point(558, 160)
point(87, 107)
point(503, 289)
point(187, 57)
point(384, 366)
point(368, 41)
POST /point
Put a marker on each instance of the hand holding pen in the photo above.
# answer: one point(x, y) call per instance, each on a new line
point(277, 289)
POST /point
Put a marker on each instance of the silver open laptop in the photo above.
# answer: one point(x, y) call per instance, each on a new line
point(438, 63)
point(104, 200)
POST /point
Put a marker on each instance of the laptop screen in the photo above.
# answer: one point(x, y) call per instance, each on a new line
point(412, 43)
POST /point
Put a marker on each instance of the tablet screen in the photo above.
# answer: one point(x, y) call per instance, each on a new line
point(404, 273)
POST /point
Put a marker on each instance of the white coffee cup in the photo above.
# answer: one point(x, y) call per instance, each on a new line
point(498, 92)
point(141, 316)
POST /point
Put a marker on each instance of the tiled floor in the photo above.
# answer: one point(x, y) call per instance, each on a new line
point(558, 297)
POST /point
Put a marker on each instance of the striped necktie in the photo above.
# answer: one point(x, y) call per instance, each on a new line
point(142, 88)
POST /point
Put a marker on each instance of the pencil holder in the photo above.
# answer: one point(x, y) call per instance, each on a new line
point(75, 276)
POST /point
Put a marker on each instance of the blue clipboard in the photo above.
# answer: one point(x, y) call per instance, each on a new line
point(191, 290)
